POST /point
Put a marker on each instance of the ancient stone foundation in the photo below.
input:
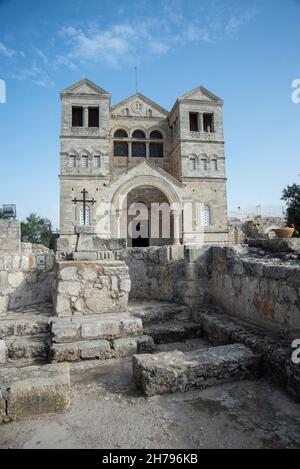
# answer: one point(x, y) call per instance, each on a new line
point(179, 372)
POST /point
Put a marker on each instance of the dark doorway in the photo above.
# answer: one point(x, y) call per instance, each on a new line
point(141, 242)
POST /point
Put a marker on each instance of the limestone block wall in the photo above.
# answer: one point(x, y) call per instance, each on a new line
point(262, 289)
point(25, 279)
point(169, 273)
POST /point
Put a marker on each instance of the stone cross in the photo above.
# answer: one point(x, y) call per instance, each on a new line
point(84, 201)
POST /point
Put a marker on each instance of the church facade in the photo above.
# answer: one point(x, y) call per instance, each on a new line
point(137, 153)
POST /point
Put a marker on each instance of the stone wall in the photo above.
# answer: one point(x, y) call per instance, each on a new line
point(169, 273)
point(25, 279)
point(26, 270)
point(258, 286)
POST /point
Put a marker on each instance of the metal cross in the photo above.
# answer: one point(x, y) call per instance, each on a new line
point(84, 201)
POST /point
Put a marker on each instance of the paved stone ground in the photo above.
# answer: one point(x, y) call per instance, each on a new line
point(108, 412)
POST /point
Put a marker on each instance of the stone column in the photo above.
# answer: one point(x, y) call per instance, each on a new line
point(176, 227)
point(85, 117)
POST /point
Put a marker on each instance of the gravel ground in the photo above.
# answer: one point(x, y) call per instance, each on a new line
point(108, 412)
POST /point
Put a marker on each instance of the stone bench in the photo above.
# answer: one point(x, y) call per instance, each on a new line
point(169, 372)
point(34, 390)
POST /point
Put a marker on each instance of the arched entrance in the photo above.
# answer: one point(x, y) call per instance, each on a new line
point(149, 205)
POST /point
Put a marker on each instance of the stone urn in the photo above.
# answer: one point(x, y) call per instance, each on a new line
point(284, 232)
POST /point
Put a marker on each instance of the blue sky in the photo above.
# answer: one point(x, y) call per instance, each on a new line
point(246, 52)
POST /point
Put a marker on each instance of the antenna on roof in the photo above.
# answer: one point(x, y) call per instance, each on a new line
point(136, 79)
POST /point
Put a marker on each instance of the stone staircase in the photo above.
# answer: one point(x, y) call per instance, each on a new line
point(33, 335)
point(27, 335)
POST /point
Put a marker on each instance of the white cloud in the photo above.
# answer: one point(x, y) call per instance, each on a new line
point(6, 51)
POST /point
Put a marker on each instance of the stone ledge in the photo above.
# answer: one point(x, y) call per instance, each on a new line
point(34, 390)
point(220, 328)
point(277, 244)
point(107, 326)
point(100, 349)
point(169, 372)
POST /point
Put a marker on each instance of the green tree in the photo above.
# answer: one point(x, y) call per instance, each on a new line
point(36, 229)
point(291, 195)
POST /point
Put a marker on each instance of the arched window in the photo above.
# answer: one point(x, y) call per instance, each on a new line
point(97, 161)
point(84, 161)
point(194, 164)
point(139, 134)
point(156, 135)
point(120, 133)
point(205, 215)
point(72, 161)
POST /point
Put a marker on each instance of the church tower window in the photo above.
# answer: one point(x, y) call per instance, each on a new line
point(72, 161)
point(85, 161)
point(205, 216)
point(208, 122)
point(93, 116)
point(77, 116)
point(194, 122)
point(97, 161)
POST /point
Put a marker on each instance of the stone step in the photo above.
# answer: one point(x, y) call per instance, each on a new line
point(155, 312)
point(105, 326)
point(169, 372)
point(173, 331)
point(24, 327)
point(28, 347)
point(100, 349)
point(34, 390)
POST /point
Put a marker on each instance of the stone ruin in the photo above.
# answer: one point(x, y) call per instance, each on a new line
point(105, 301)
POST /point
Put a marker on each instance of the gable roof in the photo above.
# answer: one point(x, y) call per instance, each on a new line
point(202, 94)
point(85, 86)
point(143, 98)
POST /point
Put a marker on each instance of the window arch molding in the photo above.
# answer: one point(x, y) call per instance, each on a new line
point(120, 133)
point(86, 153)
point(138, 127)
point(119, 127)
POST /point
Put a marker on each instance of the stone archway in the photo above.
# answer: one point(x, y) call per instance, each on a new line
point(146, 189)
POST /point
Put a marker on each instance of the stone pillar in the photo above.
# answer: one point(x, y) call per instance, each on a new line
point(85, 117)
point(176, 227)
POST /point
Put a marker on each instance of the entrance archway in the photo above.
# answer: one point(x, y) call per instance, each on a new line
point(148, 190)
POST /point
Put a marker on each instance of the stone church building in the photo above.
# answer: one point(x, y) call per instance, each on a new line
point(138, 152)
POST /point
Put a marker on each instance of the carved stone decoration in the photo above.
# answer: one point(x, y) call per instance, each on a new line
point(85, 131)
point(138, 107)
point(203, 135)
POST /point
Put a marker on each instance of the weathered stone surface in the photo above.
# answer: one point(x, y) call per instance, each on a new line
point(260, 288)
point(220, 328)
point(173, 331)
point(145, 344)
point(84, 287)
point(35, 390)
point(95, 349)
point(2, 408)
point(28, 347)
point(2, 352)
point(107, 326)
point(71, 352)
point(124, 347)
point(169, 372)
point(276, 244)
